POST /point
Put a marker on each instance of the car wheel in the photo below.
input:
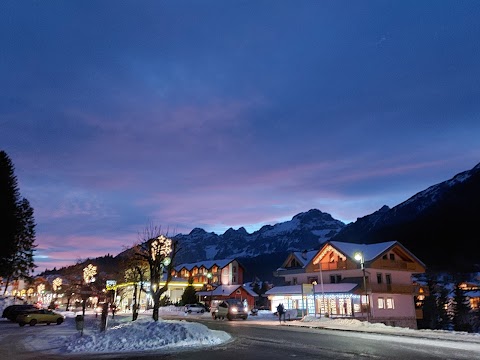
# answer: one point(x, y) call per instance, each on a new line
point(33, 322)
point(202, 311)
point(21, 324)
point(189, 311)
point(48, 323)
point(245, 318)
point(59, 321)
point(229, 317)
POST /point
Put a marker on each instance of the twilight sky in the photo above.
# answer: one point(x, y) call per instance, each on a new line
point(218, 114)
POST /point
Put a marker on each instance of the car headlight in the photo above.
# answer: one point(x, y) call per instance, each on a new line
point(234, 310)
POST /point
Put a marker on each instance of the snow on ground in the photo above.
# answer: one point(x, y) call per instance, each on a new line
point(124, 335)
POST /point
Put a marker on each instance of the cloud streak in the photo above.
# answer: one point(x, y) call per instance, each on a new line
point(219, 115)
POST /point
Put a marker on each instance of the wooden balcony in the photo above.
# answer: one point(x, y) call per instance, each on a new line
point(395, 264)
point(391, 288)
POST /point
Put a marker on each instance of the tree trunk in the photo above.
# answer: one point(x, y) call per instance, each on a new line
point(6, 285)
point(156, 305)
point(134, 303)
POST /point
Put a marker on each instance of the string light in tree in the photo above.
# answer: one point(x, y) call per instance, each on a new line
point(40, 288)
point(161, 247)
point(57, 284)
point(89, 273)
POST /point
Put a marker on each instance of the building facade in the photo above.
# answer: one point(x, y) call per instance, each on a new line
point(369, 282)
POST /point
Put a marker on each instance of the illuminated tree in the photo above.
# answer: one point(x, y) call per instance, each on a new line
point(89, 273)
point(159, 252)
point(136, 272)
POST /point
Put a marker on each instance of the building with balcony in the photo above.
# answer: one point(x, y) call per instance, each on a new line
point(372, 282)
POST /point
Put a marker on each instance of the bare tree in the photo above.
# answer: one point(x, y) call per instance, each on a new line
point(136, 272)
point(159, 251)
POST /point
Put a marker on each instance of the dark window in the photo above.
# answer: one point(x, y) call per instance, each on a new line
point(392, 256)
point(388, 279)
point(379, 278)
point(335, 279)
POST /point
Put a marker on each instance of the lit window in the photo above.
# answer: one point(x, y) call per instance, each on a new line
point(381, 303)
point(390, 304)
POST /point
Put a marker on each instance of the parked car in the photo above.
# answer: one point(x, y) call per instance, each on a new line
point(12, 311)
point(40, 316)
point(231, 309)
point(195, 308)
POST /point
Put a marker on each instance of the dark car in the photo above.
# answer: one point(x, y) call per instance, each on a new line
point(12, 311)
point(231, 309)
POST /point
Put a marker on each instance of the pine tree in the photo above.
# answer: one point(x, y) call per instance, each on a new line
point(17, 227)
point(9, 226)
point(189, 296)
point(461, 310)
point(444, 321)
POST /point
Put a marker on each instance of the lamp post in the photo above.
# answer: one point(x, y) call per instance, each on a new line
point(359, 257)
point(209, 277)
point(323, 292)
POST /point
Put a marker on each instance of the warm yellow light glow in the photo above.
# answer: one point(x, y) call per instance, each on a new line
point(57, 283)
point(89, 272)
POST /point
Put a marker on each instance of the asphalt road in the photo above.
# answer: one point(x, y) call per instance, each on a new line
point(262, 342)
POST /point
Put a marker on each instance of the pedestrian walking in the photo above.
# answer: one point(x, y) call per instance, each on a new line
point(281, 312)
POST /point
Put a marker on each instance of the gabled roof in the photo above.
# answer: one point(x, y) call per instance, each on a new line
point(226, 290)
point(208, 264)
point(303, 257)
point(370, 251)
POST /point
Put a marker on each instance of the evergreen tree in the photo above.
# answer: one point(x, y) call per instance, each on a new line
point(461, 310)
point(189, 296)
point(17, 226)
point(429, 306)
point(444, 322)
point(9, 198)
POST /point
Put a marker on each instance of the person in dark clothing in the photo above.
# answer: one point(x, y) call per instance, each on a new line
point(281, 312)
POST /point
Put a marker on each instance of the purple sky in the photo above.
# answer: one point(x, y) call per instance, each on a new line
point(218, 114)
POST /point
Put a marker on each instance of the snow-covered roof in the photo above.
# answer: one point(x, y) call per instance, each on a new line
point(369, 251)
point(208, 264)
point(305, 257)
point(327, 288)
point(226, 290)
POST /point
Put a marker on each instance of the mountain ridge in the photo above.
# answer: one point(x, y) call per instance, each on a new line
point(426, 223)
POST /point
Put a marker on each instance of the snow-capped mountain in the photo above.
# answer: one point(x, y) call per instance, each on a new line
point(438, 225)
point(305, 231)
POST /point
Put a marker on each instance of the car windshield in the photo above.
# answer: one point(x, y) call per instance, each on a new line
point(235, 302)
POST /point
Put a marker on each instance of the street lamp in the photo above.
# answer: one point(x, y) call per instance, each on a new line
point(209, 277)
point(322, 304)
point(359, 257)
